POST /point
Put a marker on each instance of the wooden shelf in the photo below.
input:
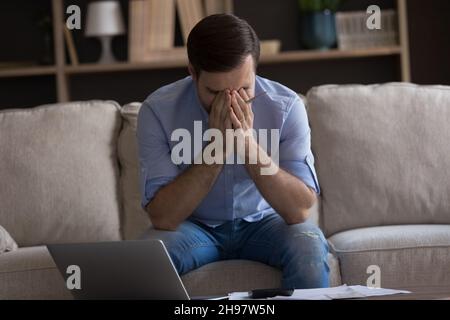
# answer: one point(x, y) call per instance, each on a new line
point(63, 71)
point(27, 71)
point(282, 57)
point(125, 66)
point(309, 55)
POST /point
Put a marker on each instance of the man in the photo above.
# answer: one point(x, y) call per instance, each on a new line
point(208, 212)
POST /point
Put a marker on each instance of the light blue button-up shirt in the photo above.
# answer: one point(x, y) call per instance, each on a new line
point(234, 194)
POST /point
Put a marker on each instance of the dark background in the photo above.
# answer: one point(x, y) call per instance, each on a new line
point(21, 39)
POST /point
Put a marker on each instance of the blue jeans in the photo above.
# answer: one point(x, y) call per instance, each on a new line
point(299, 250)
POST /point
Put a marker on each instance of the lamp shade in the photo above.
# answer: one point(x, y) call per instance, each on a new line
point(104, 18)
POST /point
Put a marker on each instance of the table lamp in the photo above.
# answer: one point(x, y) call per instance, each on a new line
point(104, 20)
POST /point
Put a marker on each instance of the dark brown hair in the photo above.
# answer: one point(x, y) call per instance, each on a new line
point(220, 43)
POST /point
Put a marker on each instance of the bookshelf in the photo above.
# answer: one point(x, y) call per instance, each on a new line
point(63, 72)
point(282, 57)
point(27, 71)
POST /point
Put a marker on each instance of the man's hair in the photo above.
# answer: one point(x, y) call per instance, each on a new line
point(220, 43)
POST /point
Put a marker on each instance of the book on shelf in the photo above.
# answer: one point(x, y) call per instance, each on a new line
point(159, 24)
point(218, 6)
point(166, 55)
point(189, 12)
point(270, 47)
point(135, 11)
point(151, 27)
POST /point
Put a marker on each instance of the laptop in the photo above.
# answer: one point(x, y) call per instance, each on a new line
point(140, 269)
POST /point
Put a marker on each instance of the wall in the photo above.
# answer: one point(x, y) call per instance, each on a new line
point(429, 30)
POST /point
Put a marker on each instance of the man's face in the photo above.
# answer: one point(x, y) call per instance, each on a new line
point(209, 84)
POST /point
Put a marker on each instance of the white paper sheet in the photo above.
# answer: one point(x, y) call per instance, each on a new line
point(341, 292)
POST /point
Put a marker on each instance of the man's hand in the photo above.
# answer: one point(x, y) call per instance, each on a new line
point(230, 110)
point(241, 113)
point(219, 117)
point(241, 116)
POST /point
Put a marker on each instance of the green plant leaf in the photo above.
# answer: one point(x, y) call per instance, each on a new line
point(318, 5)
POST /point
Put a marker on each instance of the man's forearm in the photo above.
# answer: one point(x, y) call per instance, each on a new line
point(287, 194)
point(176, 201)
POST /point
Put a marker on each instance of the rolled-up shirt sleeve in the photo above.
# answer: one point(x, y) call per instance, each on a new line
point(156, 168)
point(295, 152)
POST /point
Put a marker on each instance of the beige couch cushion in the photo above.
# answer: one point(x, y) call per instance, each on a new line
point(59, 173)
point(30, 273)
point(409, 256)
point(135, 219)
point(222, 277)
point(382, 154)
point(7, 243)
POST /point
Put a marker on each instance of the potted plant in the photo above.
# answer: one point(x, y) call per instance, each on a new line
point(318, 26)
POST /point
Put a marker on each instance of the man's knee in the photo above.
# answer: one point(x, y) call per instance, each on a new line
point(305, 238)
point(305, 253)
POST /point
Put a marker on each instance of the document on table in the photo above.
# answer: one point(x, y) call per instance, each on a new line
point(341, 292)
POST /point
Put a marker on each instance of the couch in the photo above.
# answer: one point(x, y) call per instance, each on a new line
point(69, 173)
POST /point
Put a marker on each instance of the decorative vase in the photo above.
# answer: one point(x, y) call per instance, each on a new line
point(318, 30)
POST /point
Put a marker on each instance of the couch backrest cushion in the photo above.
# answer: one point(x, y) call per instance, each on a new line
point(135, 220)
point(59, 173)
point(382, 154)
